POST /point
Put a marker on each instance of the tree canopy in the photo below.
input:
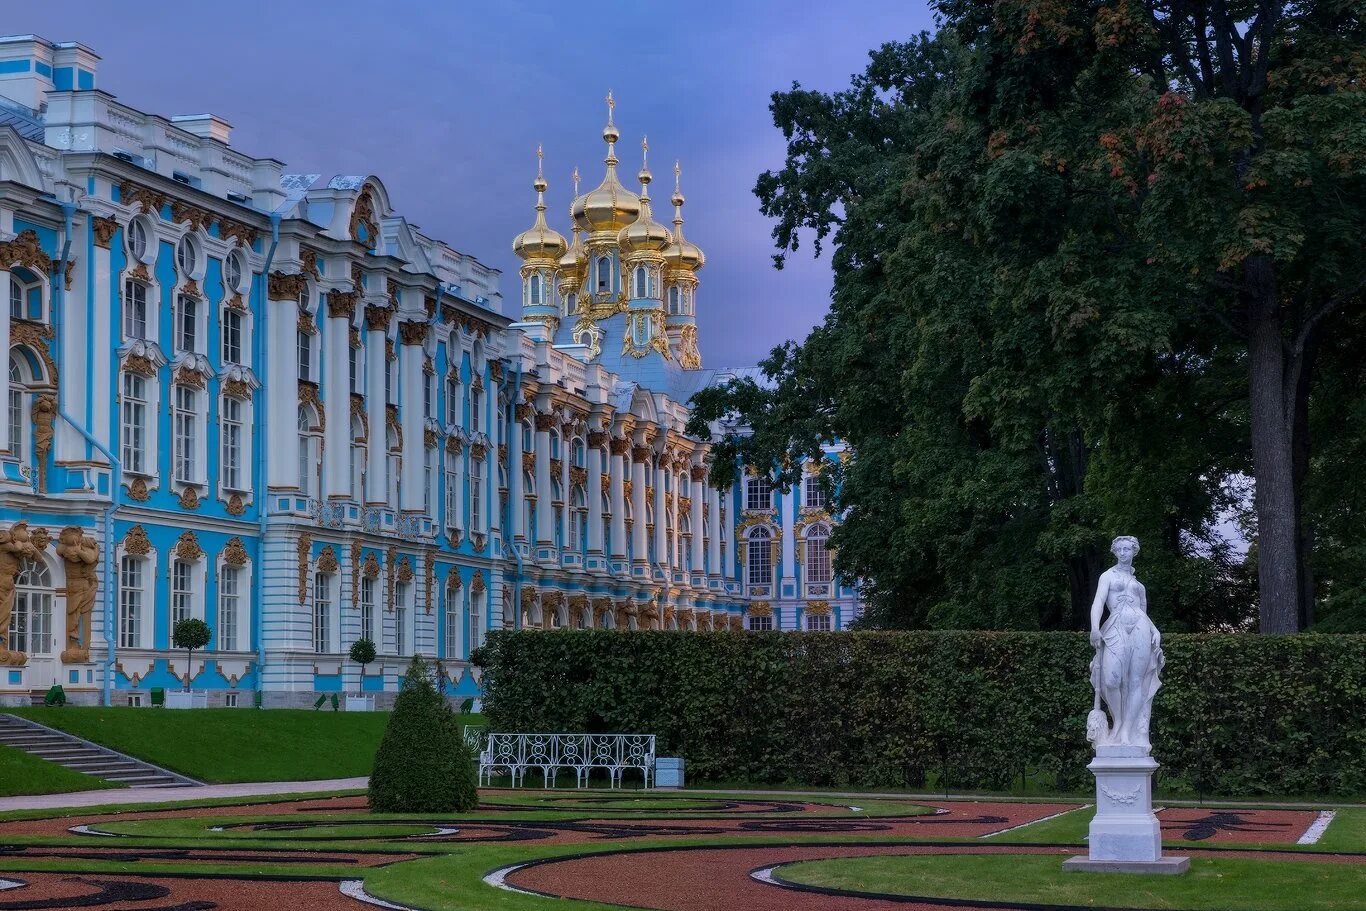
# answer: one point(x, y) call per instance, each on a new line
point(1051, 229)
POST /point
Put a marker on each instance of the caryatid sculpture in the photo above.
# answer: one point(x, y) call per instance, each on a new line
point(81, 554)
point(1124, 671)
point(1124, 836)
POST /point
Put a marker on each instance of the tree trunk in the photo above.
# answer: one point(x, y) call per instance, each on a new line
point(1273, 452)
point(1301, 443)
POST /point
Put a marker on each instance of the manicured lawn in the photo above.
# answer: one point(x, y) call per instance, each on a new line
point(228, 745)
point(1213, 884)
point(22, 774)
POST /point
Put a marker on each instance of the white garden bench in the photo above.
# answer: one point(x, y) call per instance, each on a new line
point(515, 754)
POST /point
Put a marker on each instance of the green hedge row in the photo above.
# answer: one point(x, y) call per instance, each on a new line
point(1237, 714)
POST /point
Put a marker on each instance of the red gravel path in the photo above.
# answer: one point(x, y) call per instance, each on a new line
point(186, 894)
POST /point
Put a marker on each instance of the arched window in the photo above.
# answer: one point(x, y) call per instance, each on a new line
point(476, 494)
point(759, 557)
point(233, 272)
point(452, 400)
point(137, 239)
point(571, 304)
point(578, 453)
point(367, 609)
point(308, 457)
point(230, 592)
point(675, 307)
point(186, 323)
point(186, 257)
point(233, 336)
point(31, 624)
point(395, 464)
point(132, 601)
point(818, 556)
point(16, 411)
point(233, 437)
point(642, 282)
point(813, 492)
point(357, 459)
point(578, 521)
point(25, 294)
point(537, 289)
point(182, 591)
point(186, 434)
point(134, 310)
point(453, 624)
point(322, 613)
point(604, 273)
point(529, 506)
point(403, 592)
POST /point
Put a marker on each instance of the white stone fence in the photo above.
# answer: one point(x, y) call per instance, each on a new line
point(515, 754)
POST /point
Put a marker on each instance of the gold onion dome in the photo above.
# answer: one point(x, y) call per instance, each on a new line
point(609, 207)
point(644, 235)
point(572, 262)
point(682, 254)
point(540, 241)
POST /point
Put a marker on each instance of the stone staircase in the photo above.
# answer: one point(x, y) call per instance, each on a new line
point(83, 756)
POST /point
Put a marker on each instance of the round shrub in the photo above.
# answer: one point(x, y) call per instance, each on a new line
point(423, 764)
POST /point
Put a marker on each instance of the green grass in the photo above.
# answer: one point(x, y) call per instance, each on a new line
point(22, 774)
point(230, 745)
point(1213, 884)
point(1347, 832)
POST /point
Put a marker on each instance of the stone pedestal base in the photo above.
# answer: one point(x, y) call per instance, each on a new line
point(1125, 835)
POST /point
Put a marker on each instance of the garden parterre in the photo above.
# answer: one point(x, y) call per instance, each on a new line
point(687, 851)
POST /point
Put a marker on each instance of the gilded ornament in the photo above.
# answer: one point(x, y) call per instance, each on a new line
point(428, 366)
point(187, 546)
point(235, 505)
point(412, 332)
point(306, 323)
point(578, 476)
point(760, 609)
point(149, 202)
point(391, 421)
point(627, 488)
point(597, 439)
point(496, 371)
point(308, 395)
point(390, 561)
point(818, 608)
point(619, 446)
point(689, 357)
point(236, 302)
point(189, 498)
point(606, 483)
point(235, 230)
point(302, 549)
point(404, 571)
point(353, 335)
point(524, 412)
point(188, 376)
point(44, 414)
point(235, 552)
point(35, 336)
point(429, 438)
point(140, 272)
point(477, 583)
point(478, 451)
point(641, 454)
point(342, 305)
point(428, 579)
point(309, 260)
point(138, 490)
point(197, 218)
point(283, 286)
point(103, 230)
point(454, 446)
point(698, 473)
point(363, 217)
point(357, 276)
point(235, 388)
point(389, 353)
point(557, 471)
point(327, 560)
point(502, 453)
point(80, 554)
point(135, 542)
point(393, 294)
point(478, 539)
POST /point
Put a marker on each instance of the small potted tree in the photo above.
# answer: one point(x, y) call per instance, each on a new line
point(189, 634)
point(362, 652)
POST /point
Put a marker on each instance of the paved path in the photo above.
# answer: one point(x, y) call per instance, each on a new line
point(161, 795)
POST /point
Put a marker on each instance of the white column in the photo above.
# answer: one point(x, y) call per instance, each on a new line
point(617, 496)
point(105, 336)
point(282, 380)
point(4, 348)
point(376, 451)
point(593, 495)
point(516, 493)
point(661, 477)
point(336, 343)
point(714, 539)
point(787, 519)
point(640, 551)
point(411, 334)
point(698, 488)
point(545, 524)
point(566, 483)
point(495, 501)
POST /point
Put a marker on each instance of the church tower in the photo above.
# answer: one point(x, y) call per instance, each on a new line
point(540, 248)
point(642, 245)
point(682, 260)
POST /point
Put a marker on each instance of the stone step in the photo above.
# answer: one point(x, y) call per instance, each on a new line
point(75, 754)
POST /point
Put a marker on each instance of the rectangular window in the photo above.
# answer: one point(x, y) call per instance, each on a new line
point(134, 310)
point(817, 560)
point(452, 403)
point(452, 499)
point(182, 592)
point(305, 356)
point(322, 613)
point(818, 623)
point(133, 432)
point(452, 622)
point(761, 624)
point(476, 409)
point(229, 605)
point(476, 624)
point(815, 493)
point(130, 602)
point(428, 394)
point(234, 434)
point(367, 608)
point(232, 337)
point(186, 433)
point(186, 323)
point(476, 494)
point(428, 480)
point(759, 493)
point(353, 367)
point(401, 618)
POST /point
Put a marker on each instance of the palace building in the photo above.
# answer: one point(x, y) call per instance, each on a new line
point(267, 401)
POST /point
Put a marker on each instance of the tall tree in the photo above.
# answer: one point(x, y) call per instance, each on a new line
point(1061, 229)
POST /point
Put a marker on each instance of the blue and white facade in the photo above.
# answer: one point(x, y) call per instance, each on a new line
point(265, 400)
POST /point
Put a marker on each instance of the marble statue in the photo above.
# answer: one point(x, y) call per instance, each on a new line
point(1124, 835)
point(1124, 671)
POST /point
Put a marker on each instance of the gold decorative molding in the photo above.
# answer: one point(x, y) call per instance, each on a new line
point(817, 608)
point(342, 304)
point(135, 542)
point(477, 583)
point(236, 506)
point(302, 550)
point(187, 546)
point(327, 560)
point(138, 490)
point(309, 260)
point(103, 230)
point(355, 572)
point(195, 217)
point(235, 552)
point(149, 202)
point(308, 395)
point(412, 332)
point(35, 336)
point(189, 498)
point(760, 609)
point(377, 318)
point(428, 580)
point(282, 286)
point(188, 376)
point(245, 235)
point(363, 216)
point(44, 414)
point(235, 388)
point(404, 571)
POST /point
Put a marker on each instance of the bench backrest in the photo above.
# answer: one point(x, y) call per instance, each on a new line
point(592, 750)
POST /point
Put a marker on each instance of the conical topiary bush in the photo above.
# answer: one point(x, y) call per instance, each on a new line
point(423, 765)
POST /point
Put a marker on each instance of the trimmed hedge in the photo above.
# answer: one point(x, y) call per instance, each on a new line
point(1236, 715)
point(423, 764)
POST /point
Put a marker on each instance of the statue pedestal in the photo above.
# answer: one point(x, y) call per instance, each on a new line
point(1125, 836)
